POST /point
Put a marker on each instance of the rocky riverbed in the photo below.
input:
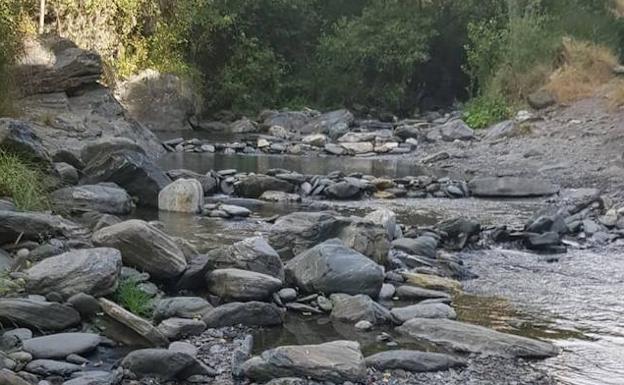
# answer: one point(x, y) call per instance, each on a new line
point(144, 271)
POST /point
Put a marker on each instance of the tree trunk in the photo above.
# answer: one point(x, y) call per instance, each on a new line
point(42, 12)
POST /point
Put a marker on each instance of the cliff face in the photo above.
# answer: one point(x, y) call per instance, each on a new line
point(64, 103)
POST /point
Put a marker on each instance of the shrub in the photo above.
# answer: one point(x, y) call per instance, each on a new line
point(584, 67)
point(132, 298)
point(23, 182)
point(481, 112)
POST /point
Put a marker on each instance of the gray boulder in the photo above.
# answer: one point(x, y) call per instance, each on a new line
point(242, 126)
point(209, 184)
point(19, 137)
point(332, 267)
point(353, 309)
point(334, 124)
point(91, 271)
point(105, 198)
point(164, 364)
point(253, 186)
point(159, 101)
point(423, 246)
point(145, 247)
point(413, 361)
point(428, 310)
point(466, 338)
point(290, 120)
point(183, 196)
point(253, 254)
point(386, 218)
point(54, 64)
point(104, 146)
point(35, 226)
point(419, 294)
point(246, 313)
point(7, 377)
point(343, 190)
point(456, 130)
point(59, 346)
point(511, 187)
point(541, 99)
point(297, 232)
point(133, 171)
point(52, 368)
point(37, 314)
point(337, 361)
point(241, 285)
point(180, 307)
point(177, 328)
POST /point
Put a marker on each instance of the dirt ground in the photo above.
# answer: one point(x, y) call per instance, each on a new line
point(578, 145)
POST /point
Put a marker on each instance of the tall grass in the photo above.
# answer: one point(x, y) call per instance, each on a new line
point(23, 182)
point(130, 296)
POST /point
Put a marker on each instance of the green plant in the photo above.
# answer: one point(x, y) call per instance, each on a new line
point(132, 298)
point(9, 285)
point(22, 181)
point(481, 112)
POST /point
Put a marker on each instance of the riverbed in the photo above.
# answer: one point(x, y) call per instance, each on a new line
point(573, 299)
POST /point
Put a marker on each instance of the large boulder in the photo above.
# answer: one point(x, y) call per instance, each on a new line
point(35, 226)
point(55, 64)
point(252, 313)
point(40, 315)
point(160, 101)
point(332, 267)
point(253, 186)
point(337, 361)
point(241, 285)
point(541, 99)
point(297, 232)
point(183, 196)
point(413, 361)
point(145, 247)
point(165, 364)
point(209, 183)
point(353, 309)
point(456, 130)
point(90, 271)
point(59, 346)
point(105, 146)
point(334, 124)
point(385, 218)
point(180, 307)
point(423, 246)
point(511, 187)
point(290, 120)
point(7, 377)
point(253, 254)
point(133, 171)
point(128, 328)
point(466, 338)
point(18, 137)
point(105, 198)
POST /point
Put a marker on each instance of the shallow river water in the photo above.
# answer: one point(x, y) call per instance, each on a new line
point(576, 302)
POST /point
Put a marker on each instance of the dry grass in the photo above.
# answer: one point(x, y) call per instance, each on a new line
point(614, 92)
point(583, 68)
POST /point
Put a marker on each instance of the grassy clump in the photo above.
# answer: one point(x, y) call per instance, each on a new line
point(481, 112)
point(23, 182)
point(132, 298)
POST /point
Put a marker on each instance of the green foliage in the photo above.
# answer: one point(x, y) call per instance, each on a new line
point(481, 112)
point(365, 61)
point(23, 182)
point(130, 296)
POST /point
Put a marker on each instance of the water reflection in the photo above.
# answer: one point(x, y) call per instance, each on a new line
point(311, 165)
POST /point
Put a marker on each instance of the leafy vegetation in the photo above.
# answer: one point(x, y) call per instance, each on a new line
point(22, 181)
point(132, 298)
point(482, 111)
point(386, 55)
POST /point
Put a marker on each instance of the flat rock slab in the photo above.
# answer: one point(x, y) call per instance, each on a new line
point(247, 313)
point(467, 338)
point(161, 363)
point(106, 198)
point(413, 361)
point(61, 345)
point(37, 314)
point(242, 285)
point(336, 361)
point(511, 187)
point(429, 310)
point(35, 226)
point(52, 368)
point(142, 330)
